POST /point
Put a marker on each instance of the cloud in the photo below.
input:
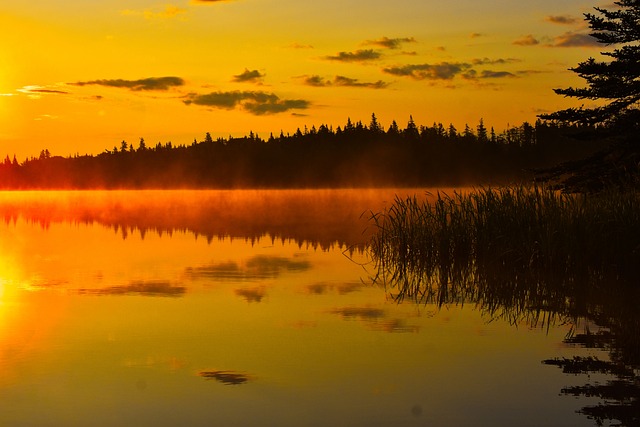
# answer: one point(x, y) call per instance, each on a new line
point(318, 81)
point(258, 103)
point(36, 92)
point(441, 71)
point(527, 40)
point(487, 74)
point(300, 46)
point(346, 81)
point(360, 55)
point(168, 12)
point(572, 39)
point(488, 61)
point(388, 43)
point(151, 83)
point(209, 1)
point(561, 19)
point(151, 288)
point(476, 35)
point(254, 76)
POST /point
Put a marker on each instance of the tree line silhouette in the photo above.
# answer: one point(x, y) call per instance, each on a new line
point(355, 155)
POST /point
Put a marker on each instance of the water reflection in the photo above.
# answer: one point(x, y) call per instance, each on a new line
point(159, 326)
point(256, 268)
point(318, 218)
point(150, 289)
point(542, 299)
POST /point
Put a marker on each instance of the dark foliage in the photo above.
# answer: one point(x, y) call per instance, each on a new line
point(615, 87)
point(354, 156)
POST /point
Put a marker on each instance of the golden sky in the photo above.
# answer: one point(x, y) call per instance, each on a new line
point(80, 76)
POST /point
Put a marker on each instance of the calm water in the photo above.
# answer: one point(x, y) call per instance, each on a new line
point(245, 308)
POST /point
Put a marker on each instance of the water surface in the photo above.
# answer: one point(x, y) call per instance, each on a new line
point(245, 308)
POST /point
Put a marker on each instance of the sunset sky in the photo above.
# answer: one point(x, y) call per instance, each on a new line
point(80, 76)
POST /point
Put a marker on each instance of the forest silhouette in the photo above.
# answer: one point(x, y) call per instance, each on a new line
point(355, 155)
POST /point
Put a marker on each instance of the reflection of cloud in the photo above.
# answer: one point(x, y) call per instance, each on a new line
point(318, 288)
point(318, 81)
point(362, 313)
point(151, 83)
point(258, 103)
point(561, 19)
point(375, 319)
point(259, 267)
point(390, 43)
point(572, 39)
point(225, 377)
point(346, 288)
point(441, 71)
point(527, 40)
point(357, 56)
point(248, 76)
point(149, 289)
point(251, 294)
point(321, 288)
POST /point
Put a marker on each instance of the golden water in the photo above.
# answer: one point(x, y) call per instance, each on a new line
point(242, 308)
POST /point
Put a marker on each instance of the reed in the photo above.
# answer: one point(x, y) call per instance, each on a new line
point(515, 251)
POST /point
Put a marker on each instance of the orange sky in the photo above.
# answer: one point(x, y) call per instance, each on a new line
point(79, 76)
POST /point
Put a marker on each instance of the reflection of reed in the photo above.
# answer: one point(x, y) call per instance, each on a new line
point(317, 218)
point(528, 255)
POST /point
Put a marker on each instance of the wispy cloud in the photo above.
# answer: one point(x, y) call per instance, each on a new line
point(489, 61)
point(574, 39)
point(528, 40)
point(440, 71)
point(361, 55)
point(151, 83)
point(562, 19)
point(37, 92)
point(253, 76)
point(300, 46)
point(210, 1)
point(318, 81)
point(487, 74)
point(167, 12)
point(34, 89)
point(388, 43)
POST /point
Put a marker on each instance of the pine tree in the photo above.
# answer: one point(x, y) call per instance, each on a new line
point(617, 82)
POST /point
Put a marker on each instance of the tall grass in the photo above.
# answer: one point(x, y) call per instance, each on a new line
point(516, 251)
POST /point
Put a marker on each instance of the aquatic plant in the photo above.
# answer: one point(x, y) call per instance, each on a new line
point(514, 251)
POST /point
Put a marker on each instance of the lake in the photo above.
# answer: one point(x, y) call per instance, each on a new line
point(248, 307)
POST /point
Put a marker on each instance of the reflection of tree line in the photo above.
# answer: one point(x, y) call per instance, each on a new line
point(519, 262)
point(355, 155)
point(315, 218)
